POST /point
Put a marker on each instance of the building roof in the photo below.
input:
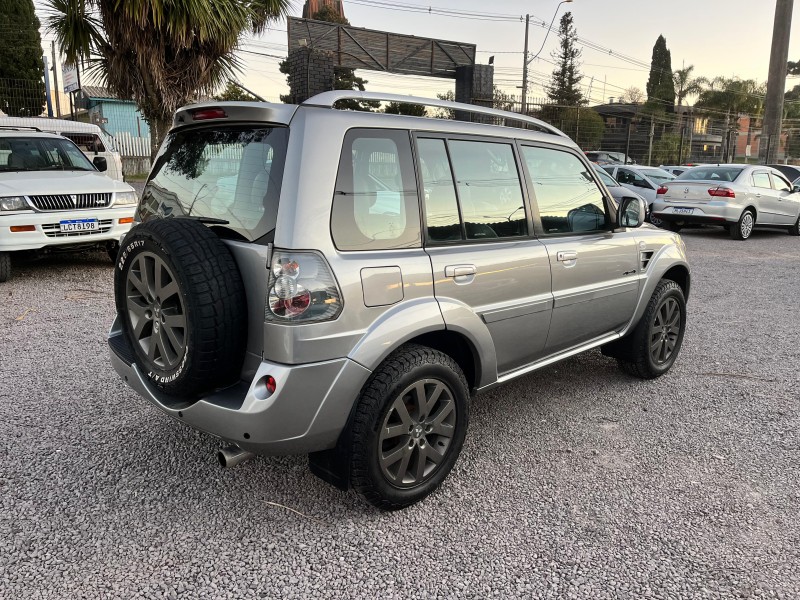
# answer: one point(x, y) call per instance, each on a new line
point(97, 92)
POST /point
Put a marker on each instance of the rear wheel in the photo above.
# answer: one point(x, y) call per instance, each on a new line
point(5, 266)
point(409, 427)
point(651, 350)
point(795, 229)
point(744, 228)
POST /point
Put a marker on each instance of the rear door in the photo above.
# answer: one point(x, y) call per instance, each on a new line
point(594, 270)
point(766, 199)
point(479, 239)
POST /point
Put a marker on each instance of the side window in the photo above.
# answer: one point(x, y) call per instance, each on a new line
point(441, 206)
point(568, 199)
point(87, 142)
point(375, 204)
point(761, 180)
point(489, 189)
point(780, 184)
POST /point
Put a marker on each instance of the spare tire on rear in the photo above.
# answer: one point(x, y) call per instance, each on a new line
point(180, 297)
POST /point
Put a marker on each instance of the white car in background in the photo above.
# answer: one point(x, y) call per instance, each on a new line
point(52, 197)
point(645, 181)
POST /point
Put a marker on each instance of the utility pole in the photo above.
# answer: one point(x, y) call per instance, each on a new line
point(56, 90)
point(652, 133)
point(525, 68)
point(776, 84)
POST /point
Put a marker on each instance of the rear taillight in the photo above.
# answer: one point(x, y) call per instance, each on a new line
point(662, 190)
point(301, 289)
point(203, 114)
point(721, 192)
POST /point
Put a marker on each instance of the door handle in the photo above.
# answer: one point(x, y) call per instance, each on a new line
point(460, 270)
point(758, 195)
point(566, 256)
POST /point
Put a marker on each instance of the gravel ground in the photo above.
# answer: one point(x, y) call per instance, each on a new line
point(575, 482)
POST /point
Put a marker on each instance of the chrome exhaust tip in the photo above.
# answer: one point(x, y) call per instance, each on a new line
point(230, 456)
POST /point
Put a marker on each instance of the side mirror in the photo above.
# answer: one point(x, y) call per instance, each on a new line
point(631, 212)
point(101, 163)
point(796, 189)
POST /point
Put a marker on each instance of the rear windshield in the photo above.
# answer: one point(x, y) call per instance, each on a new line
point(228, 174)
point(710, 174)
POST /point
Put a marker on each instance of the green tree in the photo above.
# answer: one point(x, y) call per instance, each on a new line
point(403, 108)
point(160, 53)
point(21, 65)
point(445, 113)
point(564, 87)
point(731, 95)
point(660, 85)
point(233, 92)
point(344, 78)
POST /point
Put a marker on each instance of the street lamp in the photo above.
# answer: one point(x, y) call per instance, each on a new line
point(526, 61)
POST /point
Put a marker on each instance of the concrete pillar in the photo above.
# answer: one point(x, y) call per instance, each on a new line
point(310, 72)
point(776, 85)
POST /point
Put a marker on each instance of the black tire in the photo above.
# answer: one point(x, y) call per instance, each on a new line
point(201, 303)
point(371, 433)
point(743, 229)
point(795, 229)
point(112, 248)
point(5, 266)
point(635, 351)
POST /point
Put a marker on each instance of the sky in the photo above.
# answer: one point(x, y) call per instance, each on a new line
point(719, 37)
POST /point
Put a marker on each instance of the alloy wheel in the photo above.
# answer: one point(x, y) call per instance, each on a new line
point(665, 331)
point(746, 226)
point(417, 433)
point(155, 311)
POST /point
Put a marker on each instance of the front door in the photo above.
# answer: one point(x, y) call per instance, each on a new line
point(594, 270)
point(478, 236)
point(788, 202)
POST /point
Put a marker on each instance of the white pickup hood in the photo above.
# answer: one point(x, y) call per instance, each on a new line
point(35, 183)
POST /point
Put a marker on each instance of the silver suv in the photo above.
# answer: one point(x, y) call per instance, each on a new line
point(338, 283)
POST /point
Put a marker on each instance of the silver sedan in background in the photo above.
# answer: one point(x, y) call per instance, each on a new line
point(737, 197)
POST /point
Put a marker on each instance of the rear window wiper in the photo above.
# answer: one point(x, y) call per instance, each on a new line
point(207, 220)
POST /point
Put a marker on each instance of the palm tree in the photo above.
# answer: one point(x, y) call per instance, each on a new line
point(162, 54)
point(685, 84)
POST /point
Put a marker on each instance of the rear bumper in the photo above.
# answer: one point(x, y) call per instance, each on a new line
point(718, 213)
point(46, 228)
point(306, 413)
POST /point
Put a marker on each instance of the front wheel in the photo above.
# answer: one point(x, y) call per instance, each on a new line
point(651, 350)
point(408, 428)
point(744, 228)
point(5, 266)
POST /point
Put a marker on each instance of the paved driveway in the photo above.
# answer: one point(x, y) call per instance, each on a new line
point(575, 482)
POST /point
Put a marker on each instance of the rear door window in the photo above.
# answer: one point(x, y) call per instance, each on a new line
point(375, 205)
point(472, 190)
point(230, 174)
point(761, 180)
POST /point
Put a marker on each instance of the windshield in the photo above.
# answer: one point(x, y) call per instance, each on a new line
point(606, 178)
point(712, 173)
point(41, 154)
point(229, 174)
point(657, 175)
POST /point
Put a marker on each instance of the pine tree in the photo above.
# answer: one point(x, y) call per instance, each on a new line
point(660, 84)
point(21, 65)
point(564, 88)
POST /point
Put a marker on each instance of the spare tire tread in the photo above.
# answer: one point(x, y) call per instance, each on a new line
point(214, 300)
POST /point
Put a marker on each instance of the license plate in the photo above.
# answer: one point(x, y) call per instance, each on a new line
point(683, 211)
point(79, 225)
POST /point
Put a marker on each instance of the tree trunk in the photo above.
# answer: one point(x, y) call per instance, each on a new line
point(158, 131)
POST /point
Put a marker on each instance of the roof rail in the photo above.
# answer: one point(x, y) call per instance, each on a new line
point(19, 127)
point(328, 99)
